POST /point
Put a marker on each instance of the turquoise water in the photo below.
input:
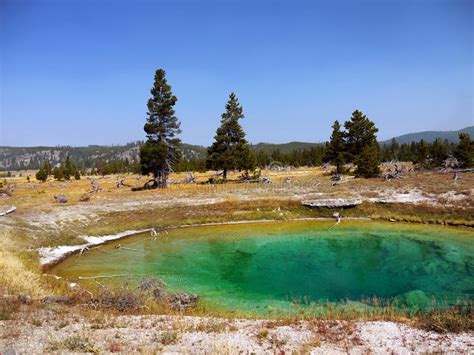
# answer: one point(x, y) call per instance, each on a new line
point(276, 264)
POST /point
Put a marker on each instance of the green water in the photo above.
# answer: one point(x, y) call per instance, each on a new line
point(253, 266)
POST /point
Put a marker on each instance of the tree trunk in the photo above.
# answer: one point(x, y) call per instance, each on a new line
point(164, 181)
point(224, 174)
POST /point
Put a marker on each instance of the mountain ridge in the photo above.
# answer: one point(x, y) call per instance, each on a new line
point(430, 136)
point(20, 158)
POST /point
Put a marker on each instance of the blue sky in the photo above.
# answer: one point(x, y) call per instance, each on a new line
point(79, 72)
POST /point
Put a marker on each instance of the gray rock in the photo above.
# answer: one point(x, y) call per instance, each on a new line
point(333, 202)
point(60, 198)
point(57, 299)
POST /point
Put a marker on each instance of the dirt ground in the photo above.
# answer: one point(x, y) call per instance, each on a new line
point(57, 331)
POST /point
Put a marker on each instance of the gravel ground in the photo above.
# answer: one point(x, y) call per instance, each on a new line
point(47, 331)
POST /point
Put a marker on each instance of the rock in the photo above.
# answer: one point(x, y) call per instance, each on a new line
point(57, 299)
point(181, 301)
point(333, 202)
point(24, 299)
point(5, 193)
point(85, 198)
point(60, 198)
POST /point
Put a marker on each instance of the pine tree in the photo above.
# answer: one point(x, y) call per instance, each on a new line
point(263, 159)
point(41, 175)
point(368, 161)
point(230, 149)
point(361, 132)
point(394, 149)
point(464, 151)
point(47, 167)
point(361, 144)
point(438, 152)
point(58, 173)
point(423, 150)
point(161, 150)
point(335, 148)
point(68, 168)
point(248, 160)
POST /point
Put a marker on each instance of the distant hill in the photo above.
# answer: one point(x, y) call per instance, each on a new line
point(430, 136)
point(284, 147)
point(21, 158)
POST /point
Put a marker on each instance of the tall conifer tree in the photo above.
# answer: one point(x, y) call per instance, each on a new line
point(335, 148)
point(360, 133)
point(361, 143)
point(161, 150)
point(230, 149)
point(464, 151)
point(438, 152)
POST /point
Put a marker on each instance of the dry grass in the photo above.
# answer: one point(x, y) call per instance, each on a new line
point(262, 334)
point(168, 337)
point(310, 344)
point(222, 348)
point(8, 307)
point(211, 326)
point(454, 319)
point(16, 278)
point(74, 343)
point(39, 196)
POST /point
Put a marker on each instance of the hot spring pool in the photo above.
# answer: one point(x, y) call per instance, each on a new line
point(256, 266)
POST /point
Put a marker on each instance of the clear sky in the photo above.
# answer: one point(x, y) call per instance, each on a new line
point(79, 72)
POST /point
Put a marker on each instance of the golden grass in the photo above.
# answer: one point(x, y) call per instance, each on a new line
point(16, 278)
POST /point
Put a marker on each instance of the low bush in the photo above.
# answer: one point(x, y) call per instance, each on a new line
point(123, 300)
point(455, 319)
point(8, 307)
point(74, 343)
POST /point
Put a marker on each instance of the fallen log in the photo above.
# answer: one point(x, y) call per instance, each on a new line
point(333, 202)
point(10, 210)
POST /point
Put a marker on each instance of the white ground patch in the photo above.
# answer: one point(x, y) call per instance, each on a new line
point(413, 196)
point(453, 196)
point(61, 215)
point(53, 255)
